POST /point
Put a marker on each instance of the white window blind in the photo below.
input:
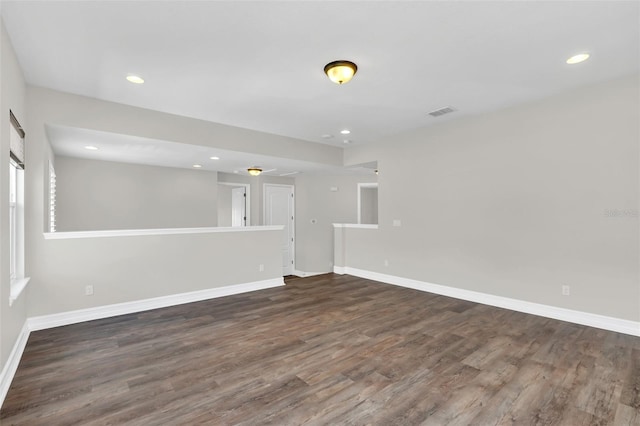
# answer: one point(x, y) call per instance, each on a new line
point(52, 198)
point(16, 142)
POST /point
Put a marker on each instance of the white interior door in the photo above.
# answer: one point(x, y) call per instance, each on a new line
point(238, 207)
point(278, 210)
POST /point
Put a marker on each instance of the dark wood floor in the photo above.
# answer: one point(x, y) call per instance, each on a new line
point(327, 350)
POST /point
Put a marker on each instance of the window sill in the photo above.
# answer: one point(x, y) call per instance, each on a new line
point(17, 286)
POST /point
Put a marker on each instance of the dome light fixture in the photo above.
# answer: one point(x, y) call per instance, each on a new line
point(340, 72)
point(254, 171)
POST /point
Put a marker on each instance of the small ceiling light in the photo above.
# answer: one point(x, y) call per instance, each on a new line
point(327, 136)
point(576, 59)
point(254, 171)
point(135, 79)
point(340, 72)
point(214, 158)
point(345, 131)
point(197, 166)
point(91, 148)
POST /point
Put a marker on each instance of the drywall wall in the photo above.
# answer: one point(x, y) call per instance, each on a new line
point(102, 195)
point(57, 266)
point(66, 109)
point(320, 202)
point(12, 97)
point(516, 203)
point(224, 205)
point(130, 268)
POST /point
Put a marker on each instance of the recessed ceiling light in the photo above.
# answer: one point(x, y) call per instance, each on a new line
point(214, 158)
point(91, 148)
point(345, 131)
point(576, 59)
point(135, 79)
point(327, 136)
point(196, 166)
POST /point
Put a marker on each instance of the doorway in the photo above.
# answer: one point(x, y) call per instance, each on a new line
point(233, 204)
point(279, 210)
point(368, 203)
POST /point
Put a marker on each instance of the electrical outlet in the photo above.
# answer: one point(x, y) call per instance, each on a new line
point(261, 268)
point(566, 290)
point(88, 290)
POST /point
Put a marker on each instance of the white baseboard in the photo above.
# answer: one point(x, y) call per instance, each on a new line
point(11, 366)
point(303, 274)
point(577, 317)
point(73, 317)
point(90, 314)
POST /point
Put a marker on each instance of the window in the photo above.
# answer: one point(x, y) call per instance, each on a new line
point(16, 209)
point(13, 222)
point(52, 198)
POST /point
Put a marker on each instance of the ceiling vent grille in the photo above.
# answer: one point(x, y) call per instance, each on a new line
point(441, 111)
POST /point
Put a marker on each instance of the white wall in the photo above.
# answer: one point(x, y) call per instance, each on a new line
point(315, 201)
point(224, 205)
point(517, 203)
point(57, 266)
point(12, 97)
point(125, 269)
point(101, 195)
point(66, 109)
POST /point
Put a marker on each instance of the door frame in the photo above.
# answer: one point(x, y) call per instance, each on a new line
point(360, 186)
point(293, 221)
point(247, 204)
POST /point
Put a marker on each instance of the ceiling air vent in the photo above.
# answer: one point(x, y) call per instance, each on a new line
point(441, 111)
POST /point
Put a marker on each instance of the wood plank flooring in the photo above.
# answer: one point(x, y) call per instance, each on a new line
point(327, 350)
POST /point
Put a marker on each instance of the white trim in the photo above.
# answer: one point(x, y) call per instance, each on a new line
point(168, 231)
point(107, 311)
point(11, 366)
point(355, 225)
point(303, 274)
point(584, 318)
point(16, 287)
point(340, 270)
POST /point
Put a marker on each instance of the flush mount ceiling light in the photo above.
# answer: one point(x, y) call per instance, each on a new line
point(254, 171)
point(91, 148)
point(135, 79)
point(197, 166)
point(214, 158)
point(345, 131)
point(576, 59)
point(340, 72)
